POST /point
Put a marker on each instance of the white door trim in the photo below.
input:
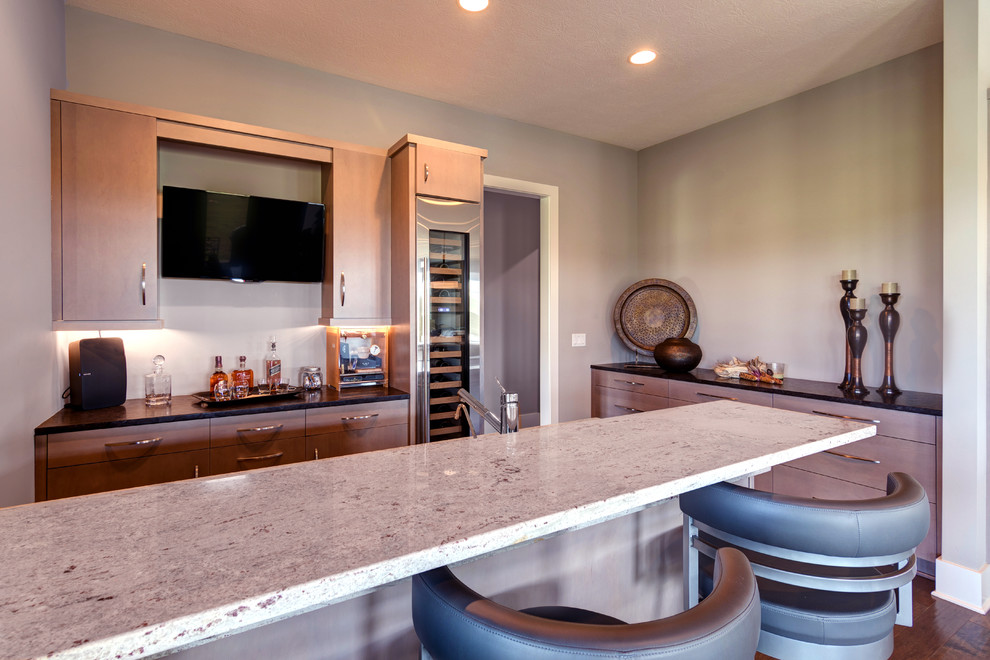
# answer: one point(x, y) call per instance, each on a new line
point(549, 286)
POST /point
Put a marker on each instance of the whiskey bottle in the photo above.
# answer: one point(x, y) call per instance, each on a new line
point(273, 368)
point(242, 379)
point(219, 384)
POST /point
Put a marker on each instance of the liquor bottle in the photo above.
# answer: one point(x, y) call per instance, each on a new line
point(273, 368)
point(242, 379)
point(219, 383)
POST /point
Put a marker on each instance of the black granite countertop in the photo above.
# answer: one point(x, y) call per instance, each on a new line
point(917, 402)
point(134, 412)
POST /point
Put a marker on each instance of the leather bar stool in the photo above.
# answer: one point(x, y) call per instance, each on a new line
point(834, 575)
point(455, 623)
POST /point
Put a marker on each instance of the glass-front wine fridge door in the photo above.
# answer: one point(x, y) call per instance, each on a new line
point(448, 329)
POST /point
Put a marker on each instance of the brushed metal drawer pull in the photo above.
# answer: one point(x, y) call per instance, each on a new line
point(717, 396)
point(196, 472)
point(629, 409)
point(855, 419)
point(348, 419)
point(257, 429)
point(316, 454)
point(261, 458)
point(630, 382)
point(144, 284)
point(853, 458)
point(149, 441)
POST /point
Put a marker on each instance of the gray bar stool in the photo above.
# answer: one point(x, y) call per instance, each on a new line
point(455, 623)
point(834, 575)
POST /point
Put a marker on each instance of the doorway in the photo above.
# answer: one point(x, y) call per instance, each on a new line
point(520, 294)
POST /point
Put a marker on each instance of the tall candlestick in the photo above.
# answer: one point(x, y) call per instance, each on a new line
point(849, 285)
point(856, 338)
point(889, 321)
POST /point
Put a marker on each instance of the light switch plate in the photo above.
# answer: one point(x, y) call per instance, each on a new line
point(578, 339)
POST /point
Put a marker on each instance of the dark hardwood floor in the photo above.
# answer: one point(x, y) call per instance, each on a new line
point(941, 631)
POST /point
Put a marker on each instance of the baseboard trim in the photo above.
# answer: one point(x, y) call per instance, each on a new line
point(962, 585)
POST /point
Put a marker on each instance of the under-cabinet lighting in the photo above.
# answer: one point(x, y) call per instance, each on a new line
point(473, 5)
point(441, 202)
point(643, 56)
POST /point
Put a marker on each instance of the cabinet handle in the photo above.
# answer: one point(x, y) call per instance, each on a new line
point(196, 472)
point(316, 454)
point(630, 382)
point(629, 409)
point(855, 419)
point(149, 441)
point(853, 458)
point(343, 291)
point(144, 281)
point(426, 172)
point(717, 396)
point(261, 458)
point(348, 419)
point(257, 429)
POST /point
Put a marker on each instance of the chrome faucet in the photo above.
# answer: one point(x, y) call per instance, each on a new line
point(508, 420)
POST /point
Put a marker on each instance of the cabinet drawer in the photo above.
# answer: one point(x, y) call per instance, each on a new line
point(892, 423)
point(257, 455)
point(701, 393)
point(126, 473)
point(342, 443)
point(126, 442)
point(891, 454)
point(357, 416)
point(246, 429)
point(607, 402)
point(792, 481)
point(630, 383)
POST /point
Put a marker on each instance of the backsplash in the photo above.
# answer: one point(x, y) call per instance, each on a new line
point(205, 318)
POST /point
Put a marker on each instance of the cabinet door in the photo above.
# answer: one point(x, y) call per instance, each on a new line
point(447, 173)
point(235, 458)
point(106, 228)
point(356, 279)
point(607, 402)
point(342, 443)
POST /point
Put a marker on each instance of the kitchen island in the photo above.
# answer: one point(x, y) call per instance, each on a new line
point(142, 572)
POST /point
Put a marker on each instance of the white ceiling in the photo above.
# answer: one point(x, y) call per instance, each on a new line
point(562, 64)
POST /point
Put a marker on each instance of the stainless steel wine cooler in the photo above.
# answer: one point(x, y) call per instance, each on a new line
point(448, 300)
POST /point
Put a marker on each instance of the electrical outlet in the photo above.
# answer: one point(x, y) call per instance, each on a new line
point(578, 339)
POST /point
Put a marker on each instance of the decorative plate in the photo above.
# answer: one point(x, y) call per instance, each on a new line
point(651, 311)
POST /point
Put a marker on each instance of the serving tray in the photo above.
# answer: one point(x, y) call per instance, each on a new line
point(255, 395)
point(651, 311)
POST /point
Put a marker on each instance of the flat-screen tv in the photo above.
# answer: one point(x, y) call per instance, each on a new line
point(222, 236)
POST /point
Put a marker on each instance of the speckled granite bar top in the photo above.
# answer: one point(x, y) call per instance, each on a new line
point(924, 403)
point(133, 412)
point(140, 572)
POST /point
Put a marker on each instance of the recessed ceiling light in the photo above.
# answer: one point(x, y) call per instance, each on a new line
point(473, 5)
point(643, 57)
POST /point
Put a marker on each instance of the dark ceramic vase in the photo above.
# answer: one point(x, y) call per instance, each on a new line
point(677, 354)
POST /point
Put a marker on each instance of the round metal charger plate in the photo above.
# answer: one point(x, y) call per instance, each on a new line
point(651, 311)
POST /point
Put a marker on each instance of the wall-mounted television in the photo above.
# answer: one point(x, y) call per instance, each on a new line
point(223, 236)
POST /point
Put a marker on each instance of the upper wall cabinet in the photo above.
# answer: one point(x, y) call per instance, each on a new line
point(449, 173)
point(104, 218)
point(356, 276)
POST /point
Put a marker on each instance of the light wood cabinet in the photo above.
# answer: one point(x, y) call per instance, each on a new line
point(614, 393)
point(104, 218)
point(702, 393)
point(448, 173)
point(356, 275)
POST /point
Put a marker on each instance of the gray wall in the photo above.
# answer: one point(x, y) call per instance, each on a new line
point(597, 182)
point(32, 60)
point(512, 301)
point(757, 215)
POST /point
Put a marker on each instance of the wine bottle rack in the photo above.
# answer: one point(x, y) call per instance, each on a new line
point(448, 369)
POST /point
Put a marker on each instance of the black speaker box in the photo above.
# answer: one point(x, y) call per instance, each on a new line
point(97, 373)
